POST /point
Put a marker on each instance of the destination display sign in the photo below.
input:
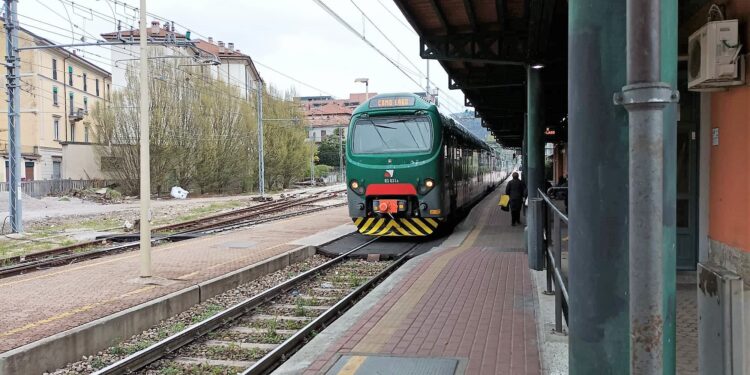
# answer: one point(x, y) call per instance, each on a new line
point(395, 101)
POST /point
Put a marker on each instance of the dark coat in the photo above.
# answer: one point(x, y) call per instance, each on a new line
point(516, 189)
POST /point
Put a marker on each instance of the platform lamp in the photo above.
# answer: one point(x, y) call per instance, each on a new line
point(366, 81)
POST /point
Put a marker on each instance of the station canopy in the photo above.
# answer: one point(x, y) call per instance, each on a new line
point(486, 45)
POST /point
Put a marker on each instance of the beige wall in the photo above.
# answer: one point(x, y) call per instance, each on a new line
point(81, 162)
point(39, 143)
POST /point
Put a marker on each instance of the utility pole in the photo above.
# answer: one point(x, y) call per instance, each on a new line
point(341, 156)
point(12, 62)
point(261, 162)
point(312, 157)
point(429, 96)
point(145, 225)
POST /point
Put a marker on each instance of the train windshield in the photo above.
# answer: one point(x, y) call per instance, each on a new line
point(389, 134)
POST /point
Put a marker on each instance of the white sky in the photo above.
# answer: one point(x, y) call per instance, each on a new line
point(295, 37)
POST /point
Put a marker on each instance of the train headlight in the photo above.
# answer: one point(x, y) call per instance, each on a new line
point(427, 185)
point(356, 187)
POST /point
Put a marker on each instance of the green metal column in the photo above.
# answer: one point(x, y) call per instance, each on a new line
point(669, 75)
point(598, 181)
point(524, 151)
point(534, 148)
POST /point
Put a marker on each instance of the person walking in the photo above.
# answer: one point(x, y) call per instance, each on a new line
point(516, 189)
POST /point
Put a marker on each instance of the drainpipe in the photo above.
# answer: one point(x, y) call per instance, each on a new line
point(645, 98)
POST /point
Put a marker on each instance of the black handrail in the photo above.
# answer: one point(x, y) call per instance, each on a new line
point(553, 256)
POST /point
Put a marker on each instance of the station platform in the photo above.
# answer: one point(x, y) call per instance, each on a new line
point(46, 302)
point(468, 306)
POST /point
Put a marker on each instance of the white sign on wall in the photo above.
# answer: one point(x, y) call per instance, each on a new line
point(715, 136)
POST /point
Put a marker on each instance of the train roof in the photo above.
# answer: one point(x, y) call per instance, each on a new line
point(421, 104)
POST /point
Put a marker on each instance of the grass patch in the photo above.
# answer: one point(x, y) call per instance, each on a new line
point(234, 352)
point(210, 311)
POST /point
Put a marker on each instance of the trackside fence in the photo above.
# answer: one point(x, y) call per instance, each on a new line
point(42, 188)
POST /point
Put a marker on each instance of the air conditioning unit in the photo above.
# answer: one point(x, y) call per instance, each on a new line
point(714, 59)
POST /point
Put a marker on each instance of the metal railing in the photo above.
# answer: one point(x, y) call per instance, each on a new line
point(552, 223)
point(43, 188)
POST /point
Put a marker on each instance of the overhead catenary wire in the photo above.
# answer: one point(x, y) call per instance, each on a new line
point(398, 66)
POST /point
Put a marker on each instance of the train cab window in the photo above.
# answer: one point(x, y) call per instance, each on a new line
point(388, 134)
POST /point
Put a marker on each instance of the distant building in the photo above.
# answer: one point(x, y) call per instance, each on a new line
point(325, 119)
point(58, 89)
point(222, 61)
point(354, 100)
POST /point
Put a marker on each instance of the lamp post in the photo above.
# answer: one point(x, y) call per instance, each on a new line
point(366, 81)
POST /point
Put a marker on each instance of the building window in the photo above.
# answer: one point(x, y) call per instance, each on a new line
point(85, 104)
point(72, 132)
point(85, 83)
point(322, 134)
point(56, 128)
point(108, 91)
point(54, 69)
point(70, 97)
point(97, 87)
point(70, 76)
point(86, 134)
point(55, 97)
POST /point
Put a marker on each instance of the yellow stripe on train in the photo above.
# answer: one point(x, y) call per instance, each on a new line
point(396, 227)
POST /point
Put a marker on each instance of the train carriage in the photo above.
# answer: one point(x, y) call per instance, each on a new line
point(410, 169)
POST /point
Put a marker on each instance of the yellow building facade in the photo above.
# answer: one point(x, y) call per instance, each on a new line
point(58, 91)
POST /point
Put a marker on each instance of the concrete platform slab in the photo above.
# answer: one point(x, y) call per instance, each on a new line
point(472, 298)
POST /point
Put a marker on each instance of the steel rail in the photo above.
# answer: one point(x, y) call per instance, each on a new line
point(63, 249)
point(275, 357)
point(142, 358)
point(214, 228)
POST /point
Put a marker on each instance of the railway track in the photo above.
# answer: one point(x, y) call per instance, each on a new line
point(254, 215)
point(257, 335)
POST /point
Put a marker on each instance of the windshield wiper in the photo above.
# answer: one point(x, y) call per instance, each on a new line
point(376, 126)
point(406, 125)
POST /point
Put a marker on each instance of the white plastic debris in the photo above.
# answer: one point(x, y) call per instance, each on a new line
point(128, 226)
point(178, 192)
point(326, 285)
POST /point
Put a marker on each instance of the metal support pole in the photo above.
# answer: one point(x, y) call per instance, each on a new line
point(534, 149)
point(261, 153)
point(669, 75)
point(13, 64)
point(535, 229)
point(145, 102)
point(598, 189)
point(645, 98)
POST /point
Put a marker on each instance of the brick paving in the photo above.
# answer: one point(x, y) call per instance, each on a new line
point(687, 329)
point(44, 303)
point(474, 302)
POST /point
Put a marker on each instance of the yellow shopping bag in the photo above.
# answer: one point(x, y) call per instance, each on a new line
point(504, 200)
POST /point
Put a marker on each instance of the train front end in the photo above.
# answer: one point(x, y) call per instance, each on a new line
point(394, 167)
